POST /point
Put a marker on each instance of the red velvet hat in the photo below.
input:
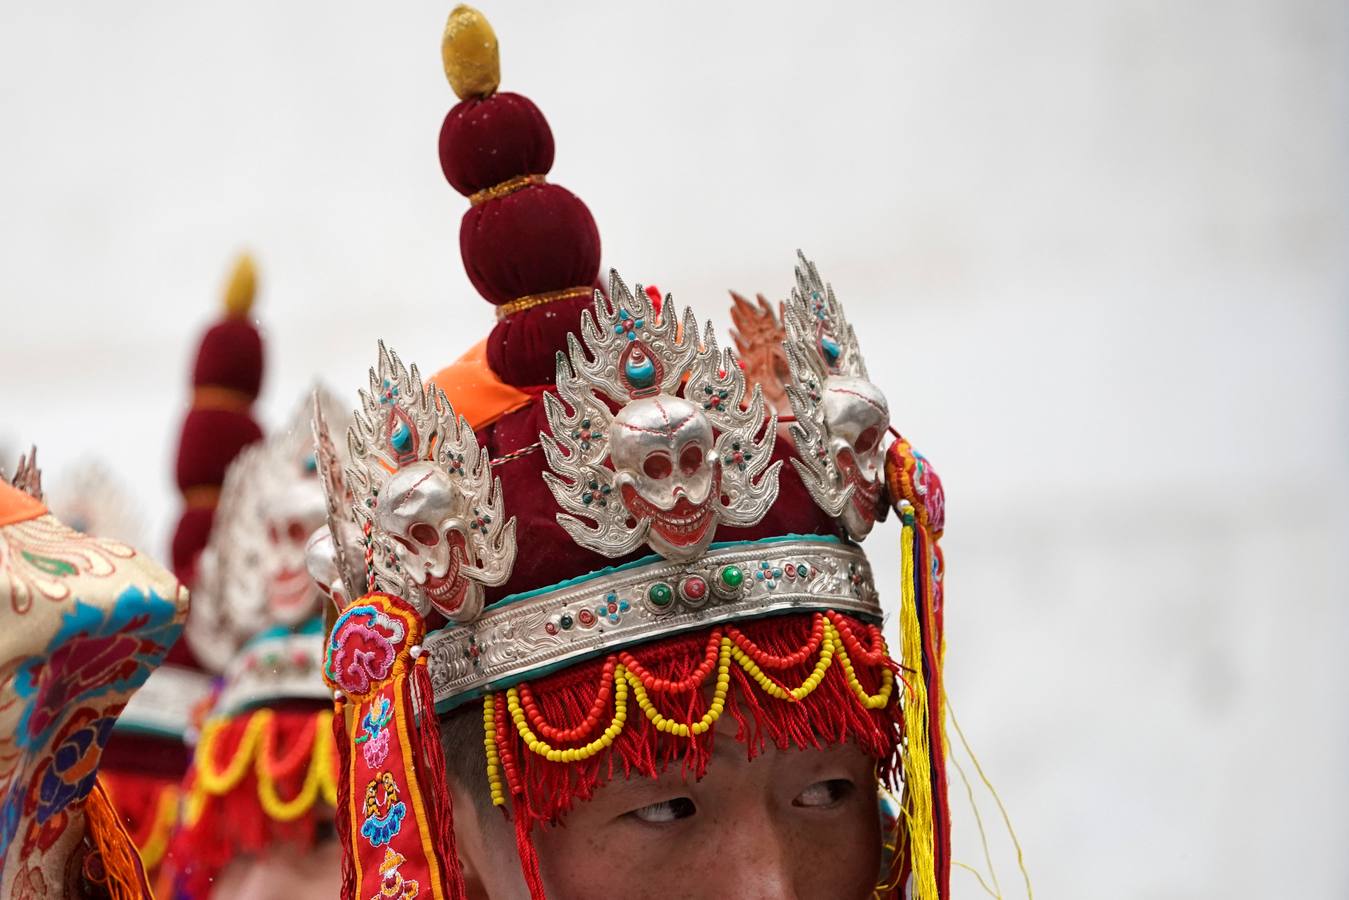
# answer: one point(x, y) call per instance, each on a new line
point(683, 558)
point(149, 753)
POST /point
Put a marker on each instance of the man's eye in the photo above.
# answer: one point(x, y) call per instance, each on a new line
point(824, 794)
point(665, 811)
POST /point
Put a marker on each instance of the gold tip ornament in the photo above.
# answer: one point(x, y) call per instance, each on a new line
point(469, 52)
point(243, 284)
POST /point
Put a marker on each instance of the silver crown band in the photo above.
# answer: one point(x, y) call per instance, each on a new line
point(271, 667)
point(539, 631)
point(165, 703)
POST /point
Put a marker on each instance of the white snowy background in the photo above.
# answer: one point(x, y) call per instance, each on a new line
point(1096, 253)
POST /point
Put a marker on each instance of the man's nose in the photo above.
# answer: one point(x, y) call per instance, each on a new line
point(756, 860)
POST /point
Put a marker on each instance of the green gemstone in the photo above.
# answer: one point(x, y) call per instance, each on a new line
point(660, 594)
point(566, 621)
point(732, 576)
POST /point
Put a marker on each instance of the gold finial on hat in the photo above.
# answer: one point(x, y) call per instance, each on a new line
point(469, 52)
point(243, 284)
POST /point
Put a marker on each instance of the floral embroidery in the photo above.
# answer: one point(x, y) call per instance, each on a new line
point(384, 812)
point(392, 882)
point(30, 884)
point(73, 765)
point(362, 650)
point(95, 652)
point(375, 742)
point(929, 488)
point(41, 555)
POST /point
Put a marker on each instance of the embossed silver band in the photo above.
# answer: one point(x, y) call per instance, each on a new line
point(540, 632)
point(271, 668)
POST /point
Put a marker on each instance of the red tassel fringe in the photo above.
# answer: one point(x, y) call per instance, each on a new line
point(235, 823)
point(439, 806)
point(544, 791)
point(342, 815)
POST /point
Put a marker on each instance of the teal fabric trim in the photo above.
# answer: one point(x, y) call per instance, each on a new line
point(123, 727)
point(309, 626)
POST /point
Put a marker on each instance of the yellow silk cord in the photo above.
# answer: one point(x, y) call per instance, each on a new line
point(320, 779)
point(917, 761)
point(831, 647)
point(166, 815)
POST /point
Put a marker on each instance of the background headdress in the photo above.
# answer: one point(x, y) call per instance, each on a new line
point(149, 754)
point(86, 620)
point(264, 770)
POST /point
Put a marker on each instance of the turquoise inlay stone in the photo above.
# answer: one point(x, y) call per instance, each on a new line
point(640, 373)
point(401, 439)
point(831, 348)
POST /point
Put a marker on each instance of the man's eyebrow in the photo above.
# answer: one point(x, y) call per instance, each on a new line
point(618, 788)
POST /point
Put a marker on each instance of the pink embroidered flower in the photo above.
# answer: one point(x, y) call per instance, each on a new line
point(363, 648)
point(376, 750)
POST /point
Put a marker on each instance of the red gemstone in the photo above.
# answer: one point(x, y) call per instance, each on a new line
point(550, 627)
point(694, 587)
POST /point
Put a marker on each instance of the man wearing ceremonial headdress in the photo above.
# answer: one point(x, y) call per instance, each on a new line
point(606, 631)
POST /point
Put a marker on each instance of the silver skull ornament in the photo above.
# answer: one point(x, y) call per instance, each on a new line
point(290, 519)
point(662, 449)
point(427, 515)
point(857, 416)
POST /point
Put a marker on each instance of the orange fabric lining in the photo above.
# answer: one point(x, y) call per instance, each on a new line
point(16, 506)
point(474, 390)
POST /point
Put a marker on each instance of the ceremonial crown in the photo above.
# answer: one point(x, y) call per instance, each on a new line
point(688, 448)
point(253, 591)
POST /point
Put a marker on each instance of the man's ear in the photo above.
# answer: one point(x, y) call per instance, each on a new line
point(468, 839)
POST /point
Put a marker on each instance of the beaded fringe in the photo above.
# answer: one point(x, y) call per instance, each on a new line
point(576, 702)
point(259, 779)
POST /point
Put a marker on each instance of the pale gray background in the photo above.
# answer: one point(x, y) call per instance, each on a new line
point(1095, 251)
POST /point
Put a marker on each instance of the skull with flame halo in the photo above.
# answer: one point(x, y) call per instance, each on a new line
point(667, 471)
point(424, 512)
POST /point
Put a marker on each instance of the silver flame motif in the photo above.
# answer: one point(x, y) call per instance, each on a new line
point(685, 451)
point(841, 417)
point(27, 475)
point(424, 495)
point(334, 555)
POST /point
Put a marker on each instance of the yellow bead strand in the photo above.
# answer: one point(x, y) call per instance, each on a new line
point(218, 782)
point(320, 770)
point(831, 646)
point(680, 729)
point(773, 689)
point(881, 698)
point(489, 742)
point(604, 741)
